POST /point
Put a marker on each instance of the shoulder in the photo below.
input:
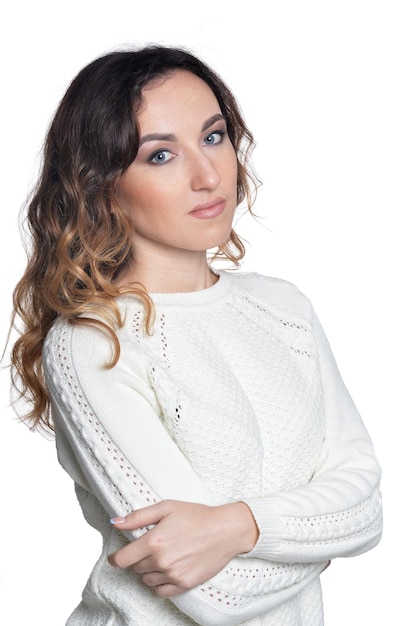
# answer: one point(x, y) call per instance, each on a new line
point(96, 333)
point(275, 293)
point(65, 337)
point(87, 347)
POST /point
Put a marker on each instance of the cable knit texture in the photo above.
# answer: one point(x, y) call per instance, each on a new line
point(235, 396)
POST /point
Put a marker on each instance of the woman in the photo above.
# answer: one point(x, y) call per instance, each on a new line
point(201, 410)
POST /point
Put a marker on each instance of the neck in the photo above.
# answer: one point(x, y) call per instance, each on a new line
point(189, 271)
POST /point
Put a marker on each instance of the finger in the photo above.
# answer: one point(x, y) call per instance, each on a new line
point(154, 579)
point(129, 555)
point(140, 518)
point(167, 591)
point(145, 566)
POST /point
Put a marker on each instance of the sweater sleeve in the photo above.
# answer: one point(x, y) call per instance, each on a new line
point(338, 513)
point(111, 440)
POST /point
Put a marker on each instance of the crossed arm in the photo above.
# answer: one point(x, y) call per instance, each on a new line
point(180, 534)
point(189, 543)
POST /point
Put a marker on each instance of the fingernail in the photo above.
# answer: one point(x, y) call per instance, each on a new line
point(117, 520)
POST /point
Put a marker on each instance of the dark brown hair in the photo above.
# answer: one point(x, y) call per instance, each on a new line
point(80, 236)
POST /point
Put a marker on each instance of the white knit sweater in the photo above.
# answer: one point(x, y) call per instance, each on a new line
point(235, 396)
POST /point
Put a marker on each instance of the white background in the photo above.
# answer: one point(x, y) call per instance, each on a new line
point(329, 91)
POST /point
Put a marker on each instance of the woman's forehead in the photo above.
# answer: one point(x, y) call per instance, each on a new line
point(180, 93)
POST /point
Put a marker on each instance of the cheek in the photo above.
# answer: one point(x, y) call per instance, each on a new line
point(127, 191)
point(135, 195)
point(234, 178)
point(233, 167)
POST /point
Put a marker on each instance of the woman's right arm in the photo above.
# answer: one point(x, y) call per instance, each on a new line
point(112, 441)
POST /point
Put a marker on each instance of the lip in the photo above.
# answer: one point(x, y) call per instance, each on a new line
point(209, 209)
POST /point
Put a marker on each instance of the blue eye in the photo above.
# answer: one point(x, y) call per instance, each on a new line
point(160, 157)
point(214, 137)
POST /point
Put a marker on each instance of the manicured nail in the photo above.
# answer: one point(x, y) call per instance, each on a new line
point(117, 520)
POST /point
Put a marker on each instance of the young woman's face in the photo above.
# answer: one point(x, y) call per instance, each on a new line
point(181, 190)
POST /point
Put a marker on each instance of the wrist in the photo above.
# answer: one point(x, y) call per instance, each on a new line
point(244, 529)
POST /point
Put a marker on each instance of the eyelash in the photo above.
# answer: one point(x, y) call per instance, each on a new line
point(153, 156)
point(220, 133)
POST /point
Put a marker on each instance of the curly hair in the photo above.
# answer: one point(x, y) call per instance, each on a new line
point(80, 236)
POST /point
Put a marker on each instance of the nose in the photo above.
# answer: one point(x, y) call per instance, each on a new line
point(204, 172)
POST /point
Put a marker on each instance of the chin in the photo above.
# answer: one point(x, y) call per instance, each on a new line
point(212, 246)
point(219, 238)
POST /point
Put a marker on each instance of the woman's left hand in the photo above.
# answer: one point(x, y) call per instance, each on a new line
point(188, 544)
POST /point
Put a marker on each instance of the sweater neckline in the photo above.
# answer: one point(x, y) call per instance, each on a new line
point(202, 296)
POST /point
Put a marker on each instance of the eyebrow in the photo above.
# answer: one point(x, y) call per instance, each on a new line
point(171, 137)
point(212, 120)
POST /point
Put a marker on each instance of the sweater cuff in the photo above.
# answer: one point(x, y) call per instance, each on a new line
point(271, 528)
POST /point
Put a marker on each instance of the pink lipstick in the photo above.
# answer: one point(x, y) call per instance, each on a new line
point(209, 209)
